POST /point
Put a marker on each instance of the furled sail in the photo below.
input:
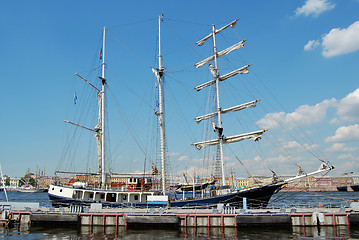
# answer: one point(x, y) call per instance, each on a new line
point(99, 151)
point(232, 109)
point(98, 134)
point(203, 40)
point(242, 70)
point(237, 138)
point(221, 53)
point(156, 73)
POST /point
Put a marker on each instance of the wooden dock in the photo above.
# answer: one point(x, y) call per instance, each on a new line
point(190, 217)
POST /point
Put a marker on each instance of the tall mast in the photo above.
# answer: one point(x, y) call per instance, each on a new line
point(103, 82)
point(219, 130)
point(221, 139)
point(159, 75)
point(161, 114)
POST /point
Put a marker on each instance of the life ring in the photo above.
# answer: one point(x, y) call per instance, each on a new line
point(9, 216)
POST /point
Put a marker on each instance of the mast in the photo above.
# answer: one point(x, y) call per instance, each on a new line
point(159, 75)
point(103, 82)
point(221, 139)
point(219, 129)
point(99, 129)
point(3, 183)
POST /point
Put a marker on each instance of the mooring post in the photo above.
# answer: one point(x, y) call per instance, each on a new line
point(245, 205)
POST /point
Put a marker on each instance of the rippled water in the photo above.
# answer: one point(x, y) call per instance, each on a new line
point(74, 232)
point(279, 200)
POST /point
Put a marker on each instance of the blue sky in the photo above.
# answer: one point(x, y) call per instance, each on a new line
point(304, 56)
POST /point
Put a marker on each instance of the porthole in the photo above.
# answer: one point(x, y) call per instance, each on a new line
point(136, 197)
point(60, 190)
point(124, 197)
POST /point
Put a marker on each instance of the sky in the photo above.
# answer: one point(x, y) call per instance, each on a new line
point(304, 56)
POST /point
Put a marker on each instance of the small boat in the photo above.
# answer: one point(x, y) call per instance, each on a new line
point(342, 188)
point(29, 189)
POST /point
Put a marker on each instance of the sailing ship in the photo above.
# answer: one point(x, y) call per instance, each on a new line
point(79, 193)
point(211, 193)
point(258, 196)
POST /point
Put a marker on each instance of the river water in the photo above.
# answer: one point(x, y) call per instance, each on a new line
point(287, 200)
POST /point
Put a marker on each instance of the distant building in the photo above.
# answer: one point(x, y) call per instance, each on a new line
point(14, 182)
point(241, 182)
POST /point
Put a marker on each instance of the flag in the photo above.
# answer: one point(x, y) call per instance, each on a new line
point(75, 98)
point(101, 54)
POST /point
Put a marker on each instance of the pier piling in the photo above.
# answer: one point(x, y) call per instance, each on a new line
point(188, 217)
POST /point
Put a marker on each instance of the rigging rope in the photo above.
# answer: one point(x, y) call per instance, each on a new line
point(304, 146)
point(128, 126)
point(133, 23)
point(130, 50)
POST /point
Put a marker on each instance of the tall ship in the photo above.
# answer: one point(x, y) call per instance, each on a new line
point(204, 195)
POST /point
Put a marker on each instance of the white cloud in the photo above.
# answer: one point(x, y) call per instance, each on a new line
point(304, 115)
point(271, 120)
point(348, 107)
point(345, 133)
point(311, 45)
point(173, 154)
point(340, 147)
point(314, 7)
point(295, 147)
point(351, 164)
point(341, 41)
point(284, 159)
point(257, 158)
point(345, 156)
point(183, 158)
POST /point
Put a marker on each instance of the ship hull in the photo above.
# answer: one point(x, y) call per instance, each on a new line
point(257, 197)
point(355, 187)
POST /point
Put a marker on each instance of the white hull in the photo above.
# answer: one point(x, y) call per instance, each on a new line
point(89, 195)
point(30, 190)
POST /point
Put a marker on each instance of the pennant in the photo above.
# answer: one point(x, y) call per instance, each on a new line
point(75, 98)
point(101, 54)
